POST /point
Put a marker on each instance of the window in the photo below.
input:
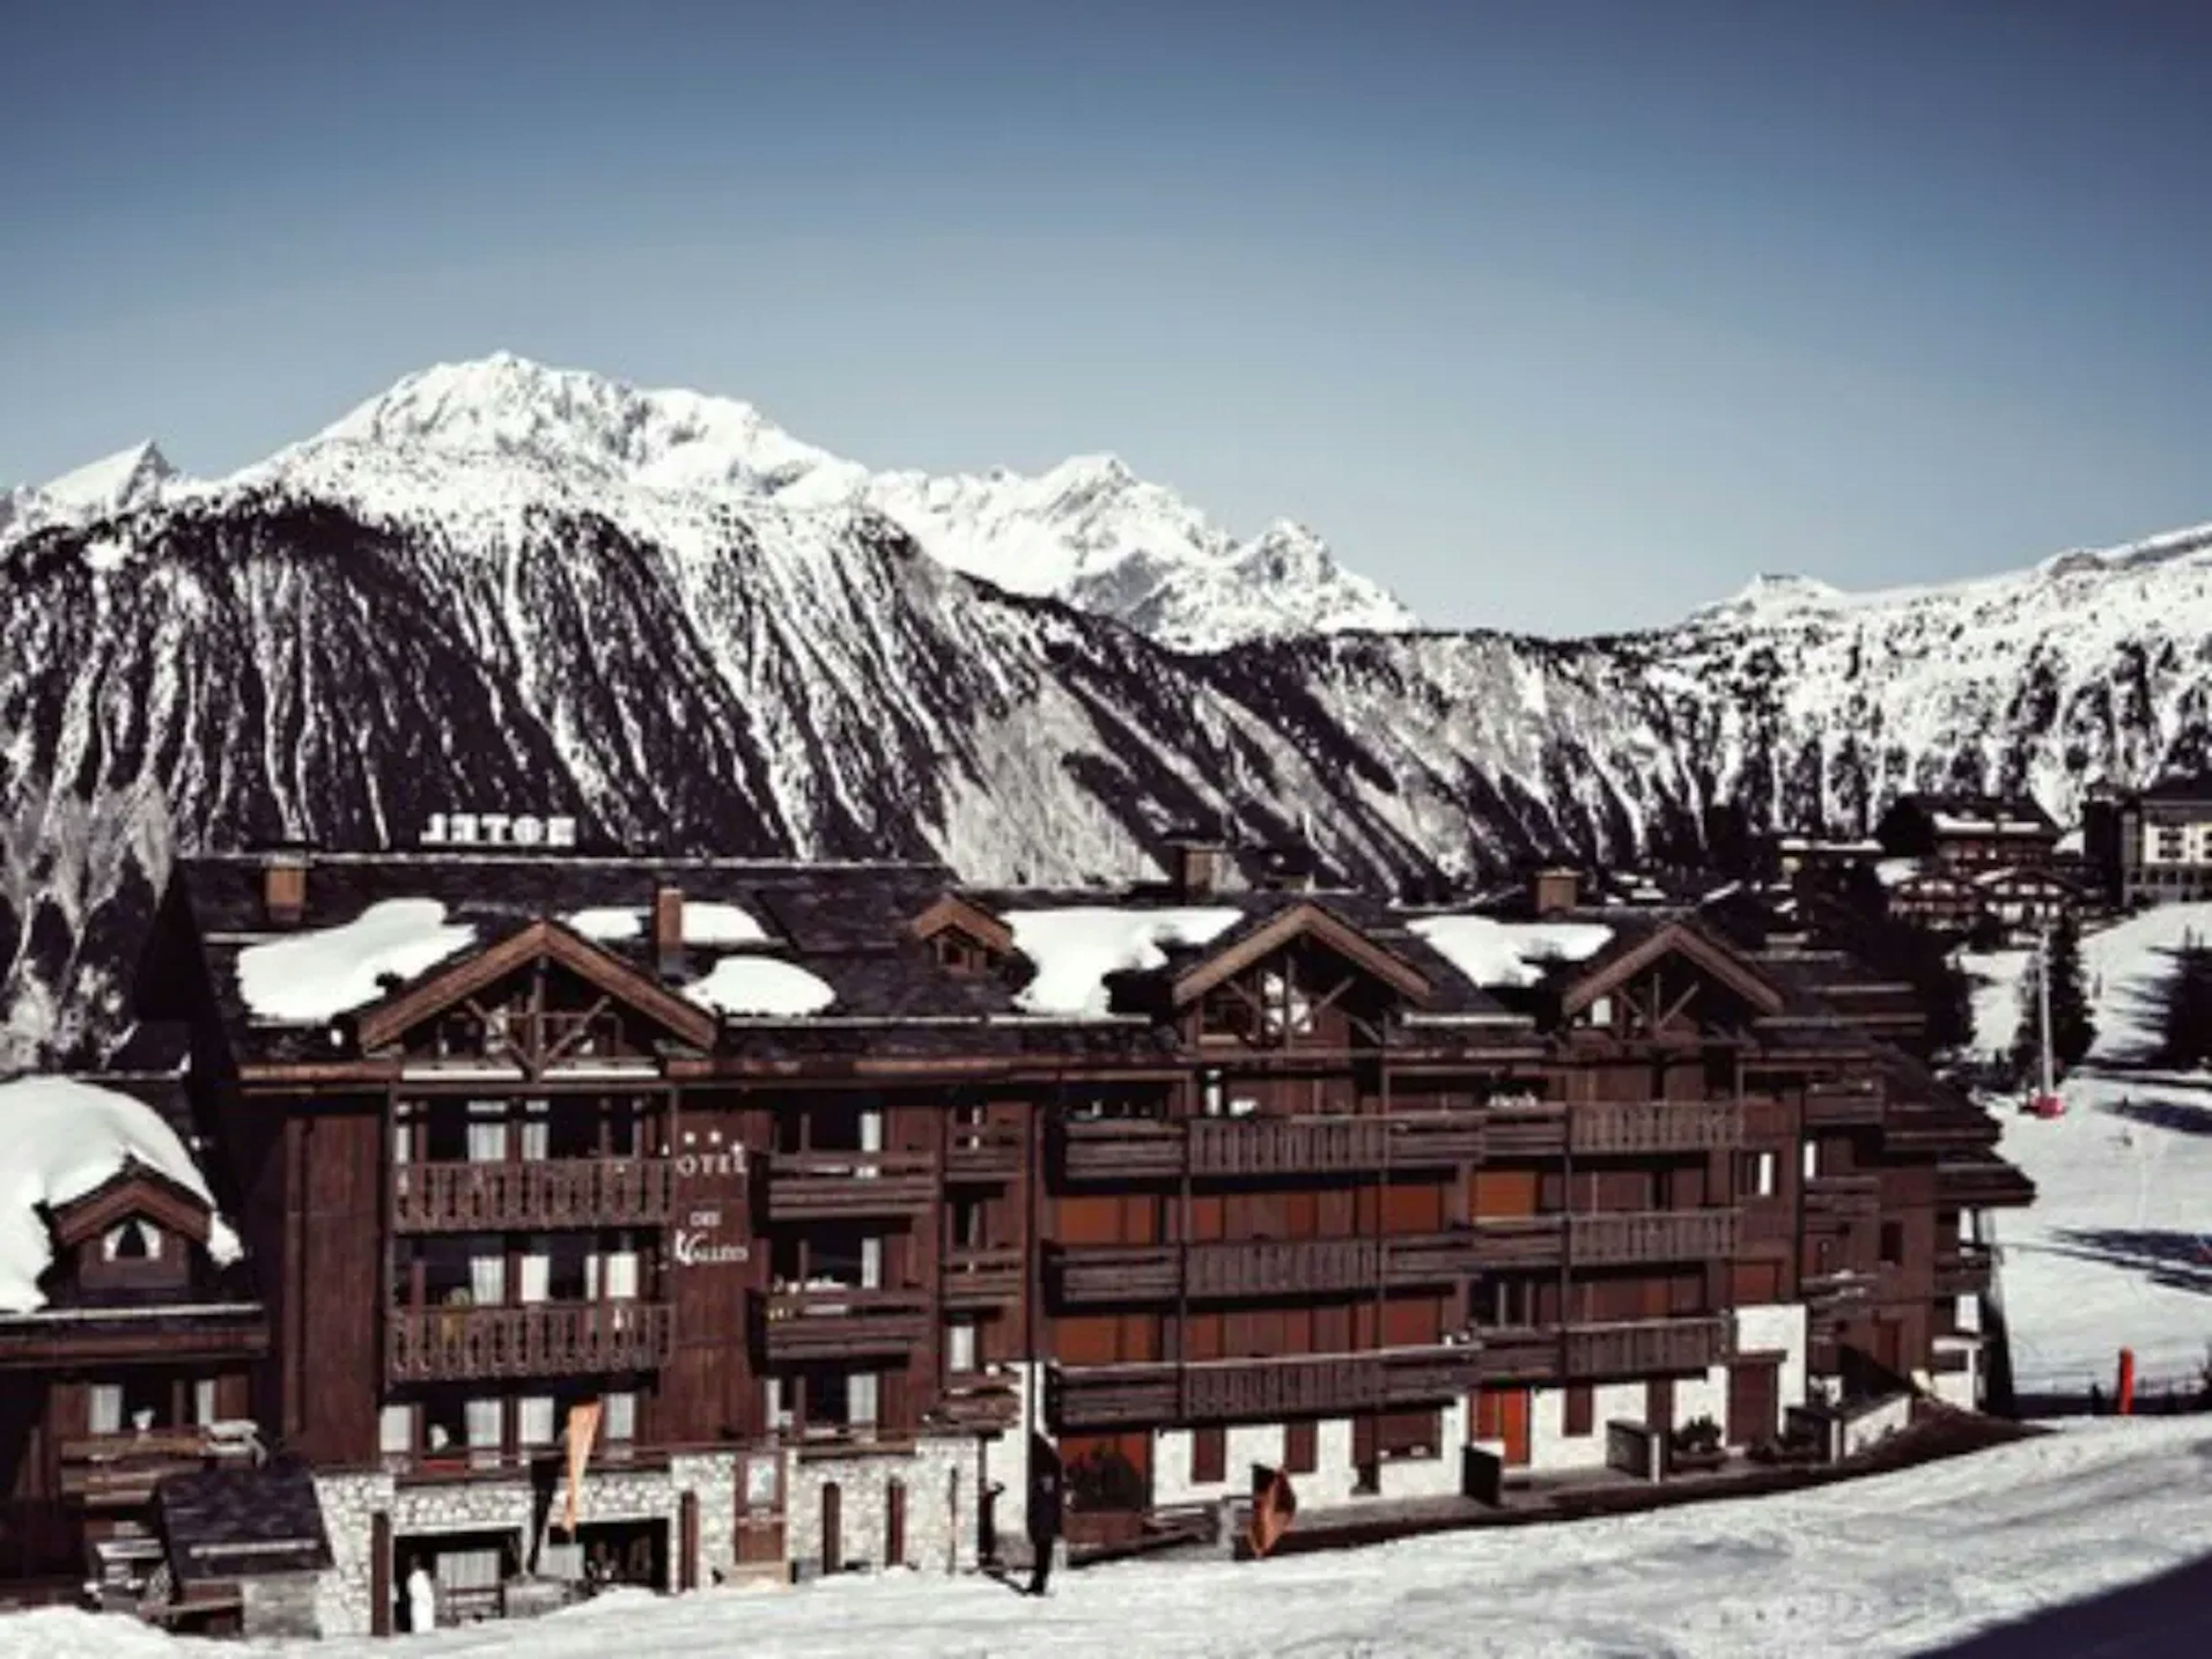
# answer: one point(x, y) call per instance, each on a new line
point(1408, 1434)
point(1301, 1447)
point(618, 1418)
point(395, 1431)
point(1811, 1160)
point(203, 1400)
point(1893, 1241)
point(534, 1420)
point(1581, 1410)
point(105, 1404)
point(960, 1345)
point(1755, 1176)
point(133, 1240)
point(1209, 1456)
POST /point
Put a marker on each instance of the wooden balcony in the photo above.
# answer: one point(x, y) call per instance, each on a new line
point(1651, 1235)
point(1833, 1107)
point(1963, 1269)
point(1635, 1128)
point(1535, 1241)
point(1522, 1353)
point(1120, 1275)
point(1842, 1198)
point(981, 1403)
point(836, 1323)
point(1525, 1132)
point(1117, 1150)
point(977, 1279)
point(546, 1338)
point(850, 1186)
point(533, 1195)
point(1982, 1184)
point(1650, 1347)
point(121, 1470)
point(1256, 1390)
point(1113, 1150)
point(984, 1154)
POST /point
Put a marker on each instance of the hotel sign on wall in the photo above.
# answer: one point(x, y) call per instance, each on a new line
point(711, 1208)
point(498, 829)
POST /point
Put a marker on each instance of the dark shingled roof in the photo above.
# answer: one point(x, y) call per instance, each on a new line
point(221, 1524)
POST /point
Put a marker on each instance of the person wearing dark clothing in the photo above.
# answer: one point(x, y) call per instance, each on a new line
point(1044, 1518)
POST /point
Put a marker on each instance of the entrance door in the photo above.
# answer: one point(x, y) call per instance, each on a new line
point(1755, 1400)
point(1502, 1415)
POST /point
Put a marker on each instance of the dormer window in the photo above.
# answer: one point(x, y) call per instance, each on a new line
point(132, 1240)
point(1600, 1013)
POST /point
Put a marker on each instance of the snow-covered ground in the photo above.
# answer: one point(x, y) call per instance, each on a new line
point(1895, 1565)
point(2116, 1251)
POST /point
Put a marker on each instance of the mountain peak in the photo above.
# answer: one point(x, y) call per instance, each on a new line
point(113, 483)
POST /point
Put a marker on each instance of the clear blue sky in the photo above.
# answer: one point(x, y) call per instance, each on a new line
point(1565, 315)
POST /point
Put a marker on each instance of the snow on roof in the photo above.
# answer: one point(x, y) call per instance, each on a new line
point(2074, 841)
point(1891, 872)
point(303, 979)
point(1954, 823)
point(707, 925)
point(761, 986)
point(63, 1138)
point(1076, 949)
point(1493, 953)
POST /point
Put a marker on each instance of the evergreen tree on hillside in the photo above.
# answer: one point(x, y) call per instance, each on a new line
point(2073, 1021)
point(2185, 1020)
point(2073, 1025)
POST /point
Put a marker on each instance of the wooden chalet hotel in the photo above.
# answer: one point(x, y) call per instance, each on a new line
point(813, 1193)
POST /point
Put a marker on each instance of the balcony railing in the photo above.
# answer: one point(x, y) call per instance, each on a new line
point(850, 1186)
point(1520, 1354)
point(1621, 1239)
point(1243, 1148)
point(1610, 1128)
point(546, 1339)
point(987, 1152)
point(1963, 1269)
point(980, 1402)
point(1653, 1347)
point(533, 1195)
point(1533, 1241)
point(1533, 1131)
point(983, 1279)
point(1256, 1390)
point(1843, 1108)
point(1844, 1197)
point(835, 1322)
point(1256, 1270)
point(123, 1468)
point(1978, 1184)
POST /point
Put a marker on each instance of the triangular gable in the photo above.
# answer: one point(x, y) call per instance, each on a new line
point(133, 1190)
point(1606, 973)
point(1302, 921)
point(445, 988)
point(953, 911)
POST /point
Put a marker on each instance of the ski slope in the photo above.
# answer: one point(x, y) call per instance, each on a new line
point(1895, 1565)
point(2116, 1251)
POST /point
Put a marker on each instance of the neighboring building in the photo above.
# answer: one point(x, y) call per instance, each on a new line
point(1930, 896)
point(2157, 843)
point(2027, 898)
point(128, 1330)
point(1969, 833)
point(1786, 857)
point(831, 1186)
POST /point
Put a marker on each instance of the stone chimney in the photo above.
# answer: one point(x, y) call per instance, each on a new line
point(284, 888)
point(1555, 890)
point(667, 922)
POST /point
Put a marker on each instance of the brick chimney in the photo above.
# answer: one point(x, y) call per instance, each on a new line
point(284, 888)
point(667, 922)
point(1554, 889)
point(1194, 866)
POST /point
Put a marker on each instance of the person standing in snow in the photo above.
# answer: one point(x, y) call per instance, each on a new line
point(422, 1600)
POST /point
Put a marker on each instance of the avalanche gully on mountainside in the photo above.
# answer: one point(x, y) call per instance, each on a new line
point(654, 609)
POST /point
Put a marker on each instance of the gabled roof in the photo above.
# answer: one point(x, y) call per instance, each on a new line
point(1581, 984)
point(224, 1524)
point(443, 987)
point(1258, 938)
point(135, 1188)
point(957, 911)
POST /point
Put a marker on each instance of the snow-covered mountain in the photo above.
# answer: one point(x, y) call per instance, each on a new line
point(664, 615)
point(1088, 531)
point(131, 478)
